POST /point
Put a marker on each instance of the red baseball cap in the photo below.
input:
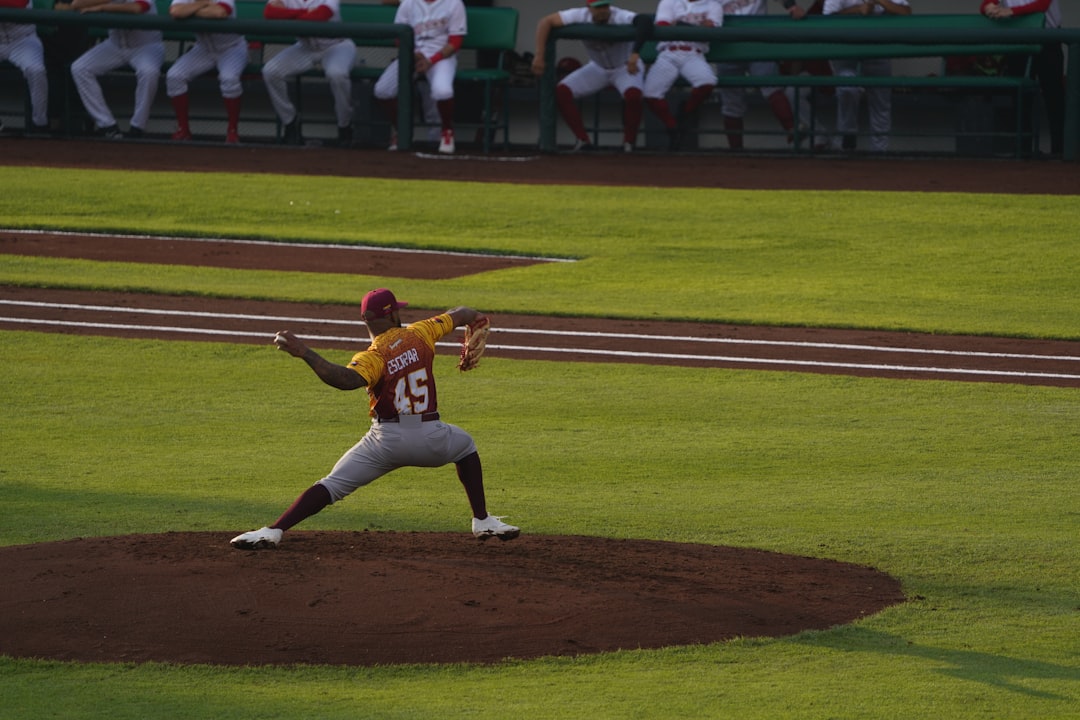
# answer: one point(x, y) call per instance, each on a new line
point(380, 303)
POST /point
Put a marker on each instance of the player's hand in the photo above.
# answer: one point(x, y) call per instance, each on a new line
point(289, 343)
point(538, 65)
point(796, 12)
point(422, 63)
point(632, 65)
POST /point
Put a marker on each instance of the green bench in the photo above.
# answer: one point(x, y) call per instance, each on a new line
point(830, 38)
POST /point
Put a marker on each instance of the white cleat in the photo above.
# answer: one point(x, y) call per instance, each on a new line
point(262, 539)
point(492, 526)
point(446, 145)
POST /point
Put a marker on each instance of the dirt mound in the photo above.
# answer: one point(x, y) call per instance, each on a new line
point(367, 598)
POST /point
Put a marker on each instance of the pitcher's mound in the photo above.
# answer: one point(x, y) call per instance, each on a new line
point(366, 598)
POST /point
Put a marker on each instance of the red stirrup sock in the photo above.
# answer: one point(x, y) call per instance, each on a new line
point(471, 475)
point(782, 109)
point(633, 106)
point(311, 501)
point(570, 113)
point(180, 105)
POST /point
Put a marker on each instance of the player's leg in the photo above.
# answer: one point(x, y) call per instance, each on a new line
point(96, 61)
point(732, 104)
point(188, 66)
point(630, 87)
point(441, 79)
point(338, 61)
point(658, 81)
point(361, 464)
point(28, 55)
point(776, 97)
point(231, 63)
point(847, 103)
point(1049, 66)
point(879, 104)
point(291, 61)
point(453, 444)
point(386, 93)
point(587, 80)
point(702, 78)
point(146, 61)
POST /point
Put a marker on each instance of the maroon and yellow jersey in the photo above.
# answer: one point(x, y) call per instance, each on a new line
point(397, 368)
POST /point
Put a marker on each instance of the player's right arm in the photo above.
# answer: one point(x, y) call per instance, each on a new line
point(334, 375)
point(543, 30)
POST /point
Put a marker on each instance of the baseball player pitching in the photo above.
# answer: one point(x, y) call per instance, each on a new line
point(143, 50)
point(20, 45)
point(406, 429)
point(225, 51)
point(336, 55)
point(688, 59)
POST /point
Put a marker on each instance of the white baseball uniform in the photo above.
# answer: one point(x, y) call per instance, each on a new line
point(607, 60)
point(677, 58)
point(734, 99)
point(143, 50)
point(20, 45)
point(878, 100)
point(225, 51)
point(433, 23)
point(336, 55)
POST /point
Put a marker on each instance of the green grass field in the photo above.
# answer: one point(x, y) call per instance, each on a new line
point(966, 492)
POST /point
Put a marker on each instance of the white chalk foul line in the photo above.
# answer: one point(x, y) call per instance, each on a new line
point(568, 333)
point(577, 351)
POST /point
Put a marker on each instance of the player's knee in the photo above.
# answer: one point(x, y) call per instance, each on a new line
point(632, 95)
point(563, 92)
point(230, 87)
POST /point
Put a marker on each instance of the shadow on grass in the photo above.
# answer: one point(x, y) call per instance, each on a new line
point(1002, 671)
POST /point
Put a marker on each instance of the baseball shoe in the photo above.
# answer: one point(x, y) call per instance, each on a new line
point(582, 146)
point(290, 134)
point(181, 135)
point(446, 145)
point(628, 147)
point(392, 147)
point(111, 133)
point(232, 136)
point(136, 133)
point(345, 136)
point(674, 139)
point(493, 526)
point(262, 539)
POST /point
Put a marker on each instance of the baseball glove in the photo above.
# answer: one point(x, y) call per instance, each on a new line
point(474, 343)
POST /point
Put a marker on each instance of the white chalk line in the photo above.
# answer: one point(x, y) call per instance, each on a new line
point(566, 333)
point(271, 243)
point(573, 351)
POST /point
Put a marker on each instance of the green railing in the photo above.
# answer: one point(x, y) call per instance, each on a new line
point(825, 38)
point(253, 30)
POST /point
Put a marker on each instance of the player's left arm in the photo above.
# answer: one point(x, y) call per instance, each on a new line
point(463, 315)
point(334, 375)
